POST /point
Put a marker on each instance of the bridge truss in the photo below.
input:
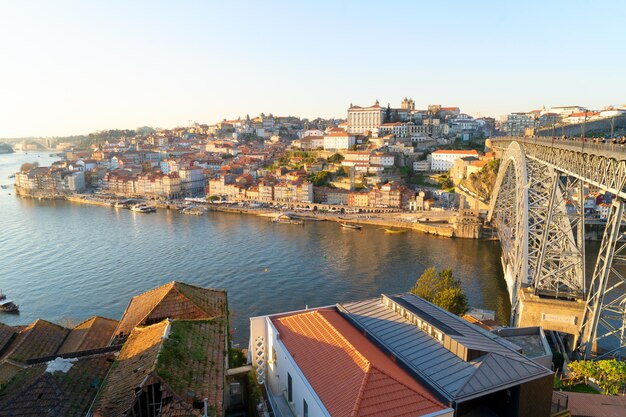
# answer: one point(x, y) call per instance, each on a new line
point(538, 209)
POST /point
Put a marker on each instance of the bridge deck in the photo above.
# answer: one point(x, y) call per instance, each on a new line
point(610, 150)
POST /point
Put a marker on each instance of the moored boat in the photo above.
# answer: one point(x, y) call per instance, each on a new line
point(395, 231)
point(287, 221)
point(350, 226)
point(9, 306)
point(143, 208)
point(194, 211)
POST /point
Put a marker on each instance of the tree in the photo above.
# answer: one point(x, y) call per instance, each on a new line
point(27, 166)
point(319, 178)
point(335, 158)
point(441, 289)
point(610, 375)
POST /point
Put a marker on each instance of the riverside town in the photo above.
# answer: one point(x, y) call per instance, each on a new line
point(312, 209)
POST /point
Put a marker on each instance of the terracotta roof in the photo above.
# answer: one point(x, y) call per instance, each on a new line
point(93, 333)
point(182, 360)
point(174, 300)
point(6, 335)
point(39, 339)
point(133, 364)
point(35, 392)
point(351, 376)
point(456, 152)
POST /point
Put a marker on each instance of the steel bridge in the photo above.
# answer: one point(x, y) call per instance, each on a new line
point(538, 209)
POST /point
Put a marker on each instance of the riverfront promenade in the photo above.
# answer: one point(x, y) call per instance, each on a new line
point(438, 223)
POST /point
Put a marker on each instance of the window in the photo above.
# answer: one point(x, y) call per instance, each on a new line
point(305, 408)
point(289, 388)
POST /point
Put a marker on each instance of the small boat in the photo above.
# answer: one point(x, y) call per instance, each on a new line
point(127, 204)
point(9, 306)
point(350, 226)
point(287, 221)
point(395, 231)
point(11, 176)
point(143, 208)
point(4, 187)
point(194, 211)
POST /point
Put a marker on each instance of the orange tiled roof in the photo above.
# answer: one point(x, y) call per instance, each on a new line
point(40, 339)
point(182, 360)
point(93, 333)
point(134, 363)
point(174, 300)
point(350, 375)
point(457, 151)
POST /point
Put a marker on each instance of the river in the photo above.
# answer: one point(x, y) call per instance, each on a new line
point(65, 262)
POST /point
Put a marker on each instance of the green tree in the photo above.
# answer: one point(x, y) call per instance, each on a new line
point(610, 375)
point(319, 178)
point(445, 182)
point(335, 158)
point(453, 300)
point(441, 289)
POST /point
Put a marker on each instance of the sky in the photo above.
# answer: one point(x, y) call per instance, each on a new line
point(74, 67)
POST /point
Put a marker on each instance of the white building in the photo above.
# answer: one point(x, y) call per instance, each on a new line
point(312, 132)
point(443, 160)
point(364, 119)
point(384, 159)
point(338, 140)
point(400, 130)
point(322, 366)
point(421, 166)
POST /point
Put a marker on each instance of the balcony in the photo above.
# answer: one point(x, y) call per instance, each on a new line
point(278, 403)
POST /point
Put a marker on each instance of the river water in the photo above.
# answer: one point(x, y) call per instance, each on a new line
point(65, 262)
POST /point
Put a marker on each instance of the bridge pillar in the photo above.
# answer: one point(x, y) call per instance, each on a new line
point(551, 314)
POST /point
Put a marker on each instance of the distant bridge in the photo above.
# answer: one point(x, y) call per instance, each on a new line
point(538, 209)
point(45, 143)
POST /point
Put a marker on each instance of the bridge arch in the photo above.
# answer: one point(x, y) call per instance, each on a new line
point(508, 211)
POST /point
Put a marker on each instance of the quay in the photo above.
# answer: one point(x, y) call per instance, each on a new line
point(449, 224)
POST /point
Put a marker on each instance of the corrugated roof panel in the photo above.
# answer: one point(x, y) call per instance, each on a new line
point(446, 372)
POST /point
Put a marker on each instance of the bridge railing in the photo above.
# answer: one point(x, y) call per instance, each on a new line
point(613, 150)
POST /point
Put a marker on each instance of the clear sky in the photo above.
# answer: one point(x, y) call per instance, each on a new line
point(72, 67)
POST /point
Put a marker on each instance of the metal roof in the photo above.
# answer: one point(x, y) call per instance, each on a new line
point(498, 367)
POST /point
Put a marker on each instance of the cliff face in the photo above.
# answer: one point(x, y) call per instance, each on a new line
point(6, 148)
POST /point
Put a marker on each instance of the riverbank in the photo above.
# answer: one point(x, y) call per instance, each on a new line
point(441, 223)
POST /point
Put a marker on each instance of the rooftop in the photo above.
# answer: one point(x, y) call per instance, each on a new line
point(35, 392)
point(93, 333)
point(40, 339)
point(328, 349)
point(458, 360)
point(174, 300)
point(456, 152)
point(173, 363)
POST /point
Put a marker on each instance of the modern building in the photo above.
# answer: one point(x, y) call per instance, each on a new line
point(318, 364)
point(442, 160)
point(517, 123)
point(392, 355)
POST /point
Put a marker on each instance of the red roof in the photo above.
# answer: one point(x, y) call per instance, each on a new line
point(457, 152)
point(349, 373)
